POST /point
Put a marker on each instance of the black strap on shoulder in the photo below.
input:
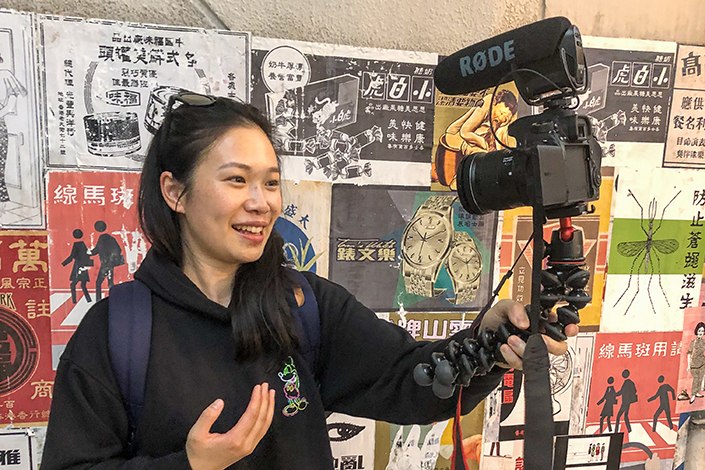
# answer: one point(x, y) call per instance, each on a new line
point(307, 321)
point(130, 333)
point(129, 341)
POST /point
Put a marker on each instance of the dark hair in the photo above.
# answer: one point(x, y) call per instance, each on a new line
point(260, 316)
point(508, 98)
point(698, 326)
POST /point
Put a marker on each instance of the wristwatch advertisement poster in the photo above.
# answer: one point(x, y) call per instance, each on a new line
point(407, 247)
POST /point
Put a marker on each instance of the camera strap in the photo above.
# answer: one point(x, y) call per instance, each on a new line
point(538, 407)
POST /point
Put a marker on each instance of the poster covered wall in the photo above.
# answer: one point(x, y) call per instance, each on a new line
point(89, 95)
point(405, 247)
point(428, 446)
point(656, 250)
point(685, 145)
point(107, 84)
point(631, 82)
point(94, 242)
point(304, 224)
point(346, 114)
point(21, 154)
point(633, 391)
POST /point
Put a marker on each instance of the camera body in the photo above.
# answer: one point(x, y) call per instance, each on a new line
point(569, 160)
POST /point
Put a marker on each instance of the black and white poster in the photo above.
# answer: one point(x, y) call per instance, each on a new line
point(685, 144)
point(631, 83)
point(347, 114)
point(108, 84)
point(20, 152)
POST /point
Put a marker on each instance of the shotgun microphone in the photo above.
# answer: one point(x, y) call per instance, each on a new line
point(552, 47)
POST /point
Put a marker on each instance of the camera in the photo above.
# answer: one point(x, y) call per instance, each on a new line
point(556, 150)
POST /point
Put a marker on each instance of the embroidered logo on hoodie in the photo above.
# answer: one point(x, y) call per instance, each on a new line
point(290, 377)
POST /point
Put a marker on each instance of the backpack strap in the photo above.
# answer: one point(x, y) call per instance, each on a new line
point(307, 321)
point(129, 341)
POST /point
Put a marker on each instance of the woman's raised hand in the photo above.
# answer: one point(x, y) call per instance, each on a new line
point(213, 451)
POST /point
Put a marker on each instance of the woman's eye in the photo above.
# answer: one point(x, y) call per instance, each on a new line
point(273, 183)
point(237, 179)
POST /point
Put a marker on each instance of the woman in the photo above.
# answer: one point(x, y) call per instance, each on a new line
point(223, 347)
point(471, 133)
point(10, 89)
point(696, 361)
point(609, 399)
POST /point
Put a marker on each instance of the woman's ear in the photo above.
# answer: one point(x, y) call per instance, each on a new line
point(171, 191)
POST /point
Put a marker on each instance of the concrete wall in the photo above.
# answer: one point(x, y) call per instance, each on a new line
point(676, 20)
point(441, 26)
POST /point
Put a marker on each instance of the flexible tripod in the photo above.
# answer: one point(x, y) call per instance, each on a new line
point(565, 280)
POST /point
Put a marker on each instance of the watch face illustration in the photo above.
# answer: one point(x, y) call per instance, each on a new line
point(426, 240)
point(465, 263)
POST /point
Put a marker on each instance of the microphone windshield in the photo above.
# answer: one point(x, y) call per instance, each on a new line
point(483, 65)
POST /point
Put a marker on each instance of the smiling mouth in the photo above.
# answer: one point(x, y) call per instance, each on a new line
point(248, 229)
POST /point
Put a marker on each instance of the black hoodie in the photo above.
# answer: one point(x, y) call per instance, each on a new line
point(365, 369)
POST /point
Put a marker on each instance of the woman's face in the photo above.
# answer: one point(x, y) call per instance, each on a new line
point(501, 115)
point(701, 332)
point(234, 200)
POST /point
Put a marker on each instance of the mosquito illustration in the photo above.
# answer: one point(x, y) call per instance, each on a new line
point(642, 253)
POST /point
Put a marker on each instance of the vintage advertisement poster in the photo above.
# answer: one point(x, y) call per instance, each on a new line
point(304, 224)
point(685, 144)
point(582, 371)
point(691, 372)
point(108, 84)
point(598, 452)
point(429, 446)
point(94, 242)
point(512, 406)
point(628, 98)
point(20, 150)
point(25, 329)
point(18, 449)
point(347, 114)
point(633, 391)
point(656, 250)
point(462, 127)
point(502, 442)
point(397, 247)
point(352, 441)
point(517, 229)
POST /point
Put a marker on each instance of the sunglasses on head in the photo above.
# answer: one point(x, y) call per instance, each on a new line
point(188, 98)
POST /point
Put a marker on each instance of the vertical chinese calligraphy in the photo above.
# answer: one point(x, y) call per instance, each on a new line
point(25, 329)
point(108, 84)
point(685, 144)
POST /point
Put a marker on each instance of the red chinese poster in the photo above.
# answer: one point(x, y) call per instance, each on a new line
point(25, 329)
point(94, 241)
point(632, 390)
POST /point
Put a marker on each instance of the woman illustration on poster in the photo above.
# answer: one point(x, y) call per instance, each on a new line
point(696, 361)
point(10, 89)
point(609, 399)
point(471, 133)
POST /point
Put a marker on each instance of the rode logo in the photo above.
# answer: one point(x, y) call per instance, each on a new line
point(493, 56)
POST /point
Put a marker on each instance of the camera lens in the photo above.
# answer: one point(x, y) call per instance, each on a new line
point(493, 181)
